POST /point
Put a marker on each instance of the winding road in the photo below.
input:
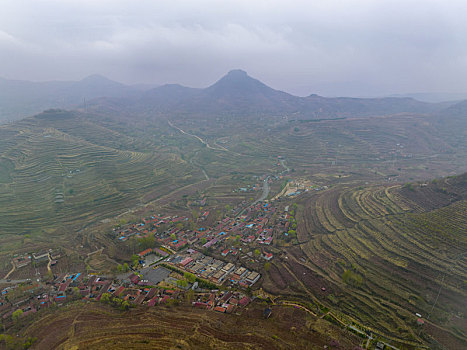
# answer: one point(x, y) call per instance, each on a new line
point(266, 190)
point(264, 195)
point(220, 148)
point(11, 271)
point(287, 169)
point(192, 161)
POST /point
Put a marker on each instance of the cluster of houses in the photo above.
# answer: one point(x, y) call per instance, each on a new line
point(241, 235)
point(22, 260)
point(252, 228)
point(146, 227)
point(257, 186)
point(224, 302)
point(36, 258)
point(28, 297)
point(32, 296)
point(233, 238)
point(214, 270)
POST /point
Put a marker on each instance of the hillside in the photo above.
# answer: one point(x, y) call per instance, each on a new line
point(182, 327)
point(390, 148)
point(458, 109)
point(384, 253)
point(60, 169)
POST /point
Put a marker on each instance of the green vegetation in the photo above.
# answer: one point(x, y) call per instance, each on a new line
point(189, 277)
point(202, 283)
point(146, 242)
point(11, 342)
point(352, 278)
point(107, 298)
point(17, 315)
point(182, 283)
point(123, 268)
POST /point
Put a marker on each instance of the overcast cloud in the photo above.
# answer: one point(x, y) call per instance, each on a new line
point(327, 47)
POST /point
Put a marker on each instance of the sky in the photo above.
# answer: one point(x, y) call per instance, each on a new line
point(328, 47)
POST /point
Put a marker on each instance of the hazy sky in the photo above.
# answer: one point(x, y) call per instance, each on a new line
point(328, 47)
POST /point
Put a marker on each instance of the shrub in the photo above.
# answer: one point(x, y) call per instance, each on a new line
point(17, 315)
point(352, 278)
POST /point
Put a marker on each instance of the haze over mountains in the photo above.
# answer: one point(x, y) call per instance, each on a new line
point(238, 94)
point(234, 94)
point(19, 99)
point(434, 97)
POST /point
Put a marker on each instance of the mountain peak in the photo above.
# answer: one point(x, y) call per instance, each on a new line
point(237, 73)
point(98, 79)
point(94, 77)
point(238, 79)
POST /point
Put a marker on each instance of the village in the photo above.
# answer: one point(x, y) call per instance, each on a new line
point(21, 299)
point(212, 264)
point(205, 266)
point(216, 253)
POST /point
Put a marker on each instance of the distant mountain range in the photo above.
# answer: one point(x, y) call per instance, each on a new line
point(434, 97)
point(235, 94)
point(19, 98)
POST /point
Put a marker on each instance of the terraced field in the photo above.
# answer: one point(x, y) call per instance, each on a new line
point(384, 253)
point(402, 146)
point(60, 170)
point(183, 327)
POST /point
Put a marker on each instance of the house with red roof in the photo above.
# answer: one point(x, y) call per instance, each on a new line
point(220, 309)
point(145, 253)
point(119, 291)
point(134, 278)
point(164, 299)
point(200, 305)
point(244, 301)
point(186, 261)
point(153, 301)
point(180, 244)
point(268, 256)
point(230, 308)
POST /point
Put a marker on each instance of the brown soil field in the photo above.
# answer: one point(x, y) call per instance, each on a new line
point(96, 326)
point(444, 337)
